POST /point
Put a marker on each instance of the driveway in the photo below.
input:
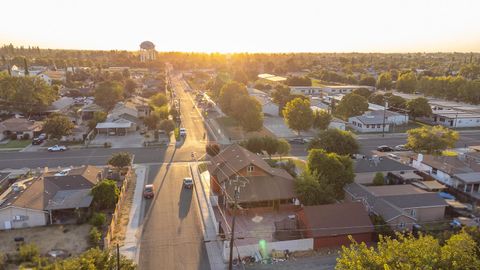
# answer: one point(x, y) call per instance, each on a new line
point(277, 126)
point(132, 140)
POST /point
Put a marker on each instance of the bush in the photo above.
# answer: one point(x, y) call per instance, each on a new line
point(107, 145)
point(379, 179)
point(13, 136)
point(94, 236)
point(26, 136)
point(3, 261)
point(98, 220)
point(28, 252)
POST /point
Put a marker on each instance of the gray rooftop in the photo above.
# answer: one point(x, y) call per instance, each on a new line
point(380, 165)
point(469, 178)
point(70, 199)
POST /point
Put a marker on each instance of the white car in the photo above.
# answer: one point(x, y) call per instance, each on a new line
point(183, 132)
point(188, 182)
point(57, 148)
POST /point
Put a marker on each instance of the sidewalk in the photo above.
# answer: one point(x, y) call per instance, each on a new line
point(210, 229)
point(131, 245)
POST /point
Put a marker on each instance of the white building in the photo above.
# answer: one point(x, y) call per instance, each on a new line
point(369, 123)
point(332, 89)
point(455, 118)
point(147, 51)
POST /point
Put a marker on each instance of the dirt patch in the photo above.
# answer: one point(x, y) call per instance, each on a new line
point(235, 132)
point(73, 238)
point(123, 218)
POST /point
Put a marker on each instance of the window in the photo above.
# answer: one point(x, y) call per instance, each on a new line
point(368, 126)
point(401, 225)
point(434, 171)
point(413, 212)
point(250, 168)
point(379, 126)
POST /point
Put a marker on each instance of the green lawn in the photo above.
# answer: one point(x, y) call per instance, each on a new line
point(16, 144)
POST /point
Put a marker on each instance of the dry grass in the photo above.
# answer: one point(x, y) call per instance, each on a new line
point(122, 221)
point(73, 238)
point(235, 132)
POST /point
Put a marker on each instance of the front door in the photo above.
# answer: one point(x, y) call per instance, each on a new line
point(8, 225)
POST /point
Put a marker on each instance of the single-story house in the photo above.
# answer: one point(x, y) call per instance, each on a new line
point(261, 185)
point(330, 225)
point(21, 127)
point(87, 112)
point(115, 128)
point(366, 168)
point(373, 121)
point(401, 206)
point(455, 118)
point(328, 89)
point(54, 197)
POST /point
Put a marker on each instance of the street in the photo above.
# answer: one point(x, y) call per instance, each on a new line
point(172, 236)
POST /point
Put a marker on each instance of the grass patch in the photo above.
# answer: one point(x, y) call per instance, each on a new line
point(316, 82)
point(15, 144)
point(227, 121)
point(449, 153)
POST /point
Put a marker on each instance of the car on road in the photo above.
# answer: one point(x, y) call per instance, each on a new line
point(298, 141)
point(57, 148)
point(384, 148)
point(400, 147)
point(183, 132)
point(148, 191)
point(37, 141)
point(187, 182)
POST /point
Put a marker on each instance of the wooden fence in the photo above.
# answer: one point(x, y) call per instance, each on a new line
point(107, 240)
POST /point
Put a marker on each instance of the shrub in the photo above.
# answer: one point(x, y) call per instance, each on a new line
point(107, 145)
point(26, 136)
point(13, 136)
point(94, 236)
point(28, 252)
point(379, 179)
point(98, 220)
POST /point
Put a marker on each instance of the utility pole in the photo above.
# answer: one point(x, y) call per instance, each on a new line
point(232, 237)
point(384, 112)
point(118, 257)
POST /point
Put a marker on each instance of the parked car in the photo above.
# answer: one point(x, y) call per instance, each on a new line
point(400, 147)
point(183, 132)
point(37, 141)
point(42, 136)
point(298, 141)
point(148, 191)
point(187, 182)
point(57, 148)
point(384, 148)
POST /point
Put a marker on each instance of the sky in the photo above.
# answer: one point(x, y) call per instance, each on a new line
point(245, 25)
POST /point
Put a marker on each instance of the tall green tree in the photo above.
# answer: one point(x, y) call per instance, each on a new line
point(105, 194)
point(313, 189)
point(396, 102)
point(158, 100)
point(334, 140)
point(298, 115)
point(120, 160)
point(431, 140)
point(58, 125)
point(130, 87)
point(229, 95)
point(248, 112)
point(419, 107)
point(321, 119)
point(98, 117)
point(407, 82)
point(367, 80)
point(283, 148)
point(108, 93)
point(167, 125)
point(364, 92)
point(384, 81)
point(352, 105)
point(335, 169)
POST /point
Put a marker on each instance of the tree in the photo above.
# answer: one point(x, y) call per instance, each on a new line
point(120, 160)
point(94, 258)
point(270, 145)
point(313, 190)
point(367, 80)
point(212, 149)
point(152, 121)
point(407, 82)
point(240, 76)
point(336, 141)
point(229, 95)
point(384, 81)
point(364, 92)
point(298, 81)
point(158, 100)
point(167, 125)
point(396, 102)
point(335, 169)
point(352, 105)
point(130, 86)
point(98, 117)
point(379, 179)
point(419, 107)
point(431, 139)
point(248, 112)
point(105, 194)
point(253, 144)
point(321, 119)
point(58, 125)
point(409, 252)
point(108, 93)
point(378, 99)
point(283, 148)
point(298, 115)
point(215, 85)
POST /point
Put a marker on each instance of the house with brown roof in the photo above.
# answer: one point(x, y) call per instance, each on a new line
point(260, 184)
point(400, 206)
point(20, 127)
point(330, 225)
point(54, 197)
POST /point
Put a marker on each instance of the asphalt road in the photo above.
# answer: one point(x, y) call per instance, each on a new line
point(172, 235)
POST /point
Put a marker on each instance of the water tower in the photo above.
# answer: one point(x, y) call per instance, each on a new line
point(147, 51)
